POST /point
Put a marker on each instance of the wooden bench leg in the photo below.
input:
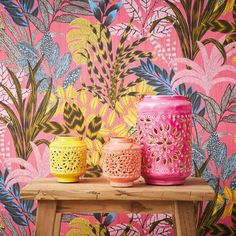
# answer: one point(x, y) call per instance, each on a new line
point(45, 219)
point(57, 224)
point(184, 218)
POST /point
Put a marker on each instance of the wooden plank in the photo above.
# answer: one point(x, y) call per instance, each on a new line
point(46, 214)
point(84, 206)
point(57, 224)
point(195, 189)
point(184, 218)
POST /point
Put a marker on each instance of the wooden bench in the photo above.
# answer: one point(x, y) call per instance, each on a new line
point(96, 195)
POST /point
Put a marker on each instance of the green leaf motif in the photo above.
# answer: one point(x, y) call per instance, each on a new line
point(54, 127)
point(94, 127)
point(74, 118)
point(156, 223)
point(204, 123)
point(220, 230)
point(211, 114)
point(232, 108)
point(212, 102)
point(230, 38)
point(219, 46)
point(229, 119)
point(225, 98)
point(221, 26)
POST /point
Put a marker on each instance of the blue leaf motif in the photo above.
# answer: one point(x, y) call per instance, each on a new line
point(116, 6)
point(62, 66)
point(71, 78)
point(110, 18)
point(229, 167)
point(156, 77)
point(44, 84)
point(216, 150)
point(27, 5)
point(198, 156)
point(55, 53)
point(161, 81)
point(14, 12)
point(96, 10)
point(28, 53)
point(233, 184)
point(46, 46)
point(10, 199)
point(210, 178)
point(194, 98)
point(109, 219)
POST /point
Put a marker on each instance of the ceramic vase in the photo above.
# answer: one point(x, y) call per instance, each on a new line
point(68, 158)
point(121, 161)
point(165, 135)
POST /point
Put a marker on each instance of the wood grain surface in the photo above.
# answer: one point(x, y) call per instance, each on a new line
point(194, 189)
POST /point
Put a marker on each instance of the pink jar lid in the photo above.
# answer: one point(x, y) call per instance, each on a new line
point(116, 143)
point(169, 104)
point(164, 97)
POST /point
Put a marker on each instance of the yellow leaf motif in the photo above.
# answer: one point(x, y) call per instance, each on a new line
point(126, 100)
point(111, 118)
point(71, 93)
point(61, 92)
point(90, 118)
point(119, 107)
point(89, 143)
point(227, 193)
point(77, 222)
point(130, 119)
point(143, 88)
point(84, 228)
point(98, 144)
point(83, 109)
point(95, 158)
point(104, 131)
point(83, 97)
point(121, 130)
point(78, 37)
point(94, 103)
point(231, 197)
point(103, 110)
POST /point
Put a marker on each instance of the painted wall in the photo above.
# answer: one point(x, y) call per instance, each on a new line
point(99, 59)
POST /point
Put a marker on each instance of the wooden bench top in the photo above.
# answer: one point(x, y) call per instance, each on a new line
point(194, 189)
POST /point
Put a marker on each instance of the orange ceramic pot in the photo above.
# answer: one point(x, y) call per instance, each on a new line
point(121, 161)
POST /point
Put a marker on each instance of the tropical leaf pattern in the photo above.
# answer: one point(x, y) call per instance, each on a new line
point(81, 67)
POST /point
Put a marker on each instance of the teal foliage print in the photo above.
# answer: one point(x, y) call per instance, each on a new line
point(21, 211)
point(217, 113)
point(161, 82)
point(17, 10)
point(112, 64)
point(104, 14)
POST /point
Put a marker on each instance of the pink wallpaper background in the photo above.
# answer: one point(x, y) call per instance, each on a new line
point(101, 56)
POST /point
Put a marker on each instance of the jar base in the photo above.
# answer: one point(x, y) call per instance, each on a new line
point(121, 185)
point(156, 181)
point(67, 179)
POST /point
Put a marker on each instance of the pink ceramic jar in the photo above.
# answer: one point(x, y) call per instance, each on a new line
point(121, 161)
point(165, 135)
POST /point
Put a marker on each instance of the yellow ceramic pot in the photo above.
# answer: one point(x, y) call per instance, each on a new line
point(68, 158)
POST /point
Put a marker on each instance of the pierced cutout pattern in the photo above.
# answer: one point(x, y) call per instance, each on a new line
point(167, 143)
point(122, 164)
point(71, 160)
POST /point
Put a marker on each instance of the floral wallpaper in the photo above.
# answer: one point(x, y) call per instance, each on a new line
point(81, 66)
